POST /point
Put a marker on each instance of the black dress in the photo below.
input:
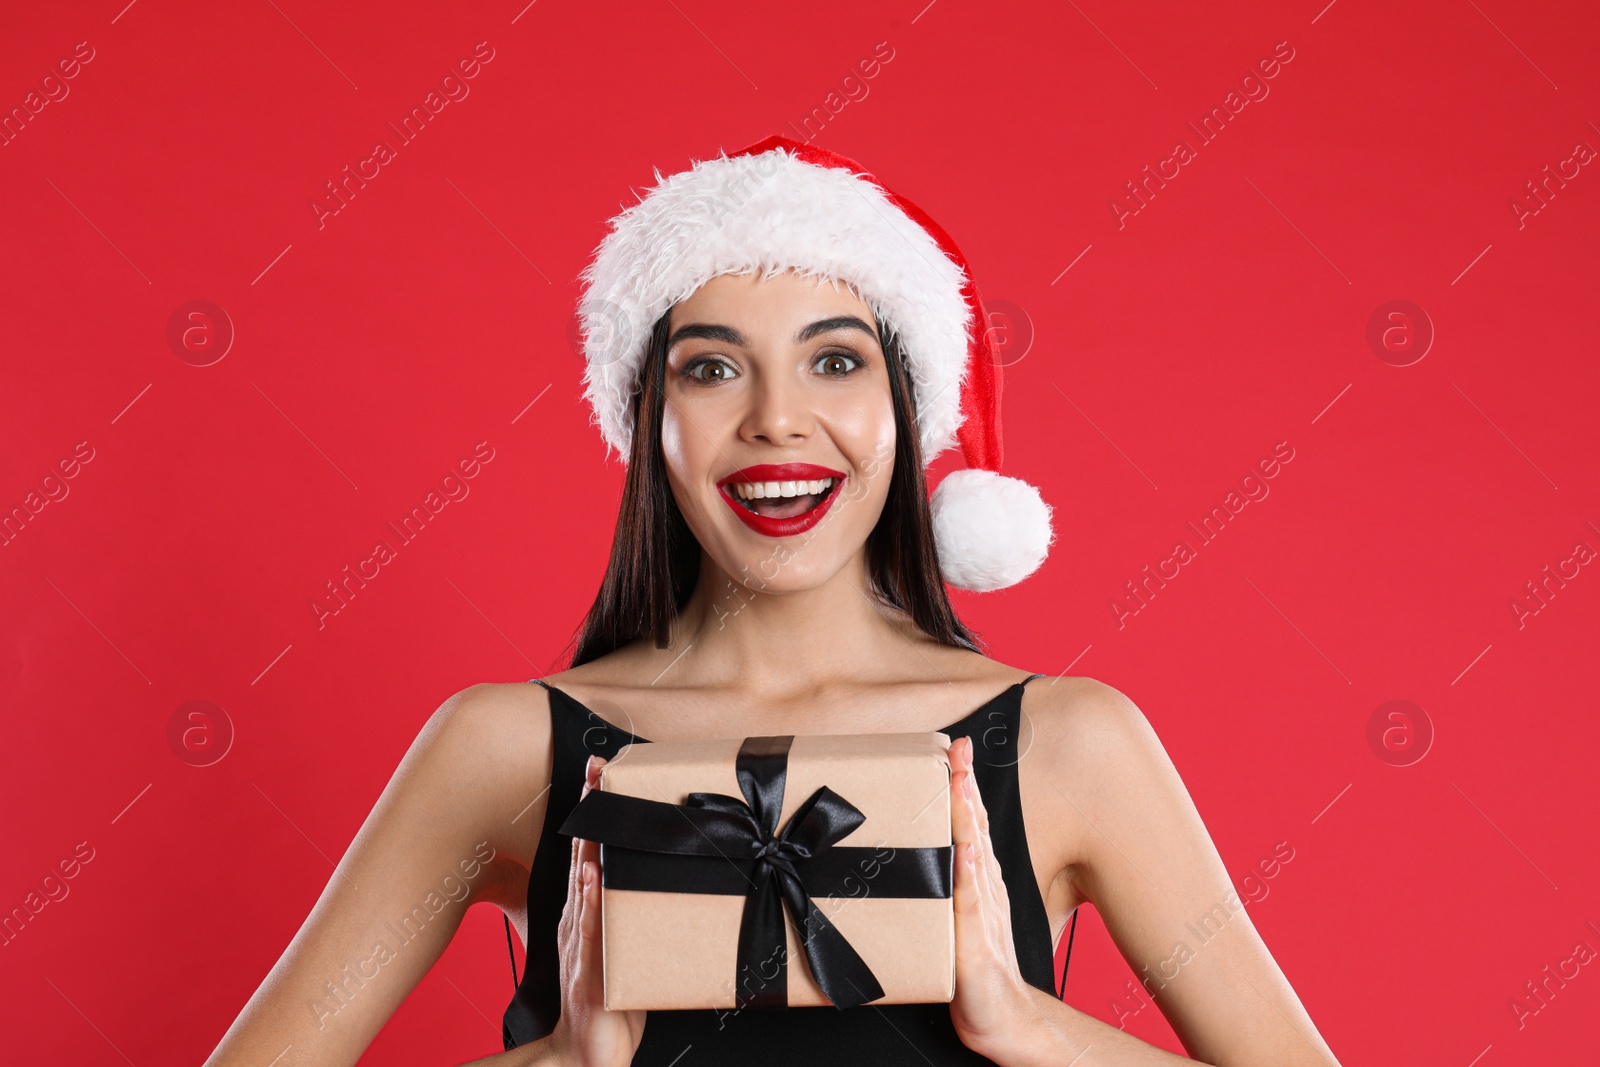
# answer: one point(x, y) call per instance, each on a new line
point(870, 1034)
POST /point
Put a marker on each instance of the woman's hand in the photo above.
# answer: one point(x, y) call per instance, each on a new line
point(994, 1005)
point(588, 1035)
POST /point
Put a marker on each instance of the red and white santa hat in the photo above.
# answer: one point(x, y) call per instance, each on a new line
point(786, 205)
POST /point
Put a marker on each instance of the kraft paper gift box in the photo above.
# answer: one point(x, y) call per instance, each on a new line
point(771, 872)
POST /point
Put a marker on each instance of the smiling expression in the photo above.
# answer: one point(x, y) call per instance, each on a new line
point(778, 432)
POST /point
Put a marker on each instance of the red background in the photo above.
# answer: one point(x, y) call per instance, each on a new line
point(373, 353)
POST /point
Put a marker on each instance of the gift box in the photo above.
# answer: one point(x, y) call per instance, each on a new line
point(771, 872)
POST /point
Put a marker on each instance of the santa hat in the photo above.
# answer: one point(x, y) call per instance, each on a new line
point(786, 205)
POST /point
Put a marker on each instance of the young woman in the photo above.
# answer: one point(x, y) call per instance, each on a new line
point(778, 344)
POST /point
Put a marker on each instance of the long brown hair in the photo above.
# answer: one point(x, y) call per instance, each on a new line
point(655, 557)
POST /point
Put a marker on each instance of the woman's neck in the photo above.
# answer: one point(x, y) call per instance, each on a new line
point(780, 643)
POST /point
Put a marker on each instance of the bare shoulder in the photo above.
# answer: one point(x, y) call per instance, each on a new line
point(1087, 721)
point(1095, 743)
point(486, 751)
point(488, 726)
point(1093, 750)
point(488, 711)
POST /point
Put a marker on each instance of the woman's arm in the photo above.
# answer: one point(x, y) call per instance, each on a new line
point(457, 824)
point(1146, 862)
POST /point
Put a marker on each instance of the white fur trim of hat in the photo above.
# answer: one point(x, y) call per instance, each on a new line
point(786, 205)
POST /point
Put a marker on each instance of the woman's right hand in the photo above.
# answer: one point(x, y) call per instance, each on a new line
point(587, 1034)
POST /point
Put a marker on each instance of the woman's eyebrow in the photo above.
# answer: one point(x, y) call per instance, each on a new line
point(726, 334)
point(841, 322)
point(730, 336)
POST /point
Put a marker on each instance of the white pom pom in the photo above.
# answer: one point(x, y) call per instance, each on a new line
point(991, 531)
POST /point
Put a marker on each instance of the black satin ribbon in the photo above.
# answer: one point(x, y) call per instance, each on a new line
point(724, 845)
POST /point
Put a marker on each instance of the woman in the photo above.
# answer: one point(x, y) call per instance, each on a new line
point(781, 307)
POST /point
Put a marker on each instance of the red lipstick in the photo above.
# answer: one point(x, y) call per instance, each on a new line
point(772, 526)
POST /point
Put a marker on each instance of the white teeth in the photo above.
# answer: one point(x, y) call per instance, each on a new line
point(766, 490)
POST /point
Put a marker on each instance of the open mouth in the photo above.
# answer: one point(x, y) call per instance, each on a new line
point(782, 500)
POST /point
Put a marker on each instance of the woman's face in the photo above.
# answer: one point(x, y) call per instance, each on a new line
point(760, 373)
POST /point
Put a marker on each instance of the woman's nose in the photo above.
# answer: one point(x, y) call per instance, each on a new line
point(779, 412)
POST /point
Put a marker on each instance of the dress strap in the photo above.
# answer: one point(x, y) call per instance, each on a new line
point(516, 982)
point(1061, 994)
point(1072, 927)
point(576, 733)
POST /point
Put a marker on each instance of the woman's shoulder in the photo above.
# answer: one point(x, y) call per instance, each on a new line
point(1081, 720)
point(484, 711)
point(500, 729)
point(486, 750)
point(1092, 767)
point(1083, 706)
point(1096, 751)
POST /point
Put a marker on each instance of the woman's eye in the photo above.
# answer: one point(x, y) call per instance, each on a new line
point(719, 366)
point(839, 364)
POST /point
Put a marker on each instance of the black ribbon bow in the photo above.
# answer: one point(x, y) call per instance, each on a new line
point(726, 845)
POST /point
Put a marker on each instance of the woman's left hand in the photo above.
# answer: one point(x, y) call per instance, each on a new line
point(994, 1005)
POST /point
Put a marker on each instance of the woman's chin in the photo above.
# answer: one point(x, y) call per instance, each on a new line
point(786, 568)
